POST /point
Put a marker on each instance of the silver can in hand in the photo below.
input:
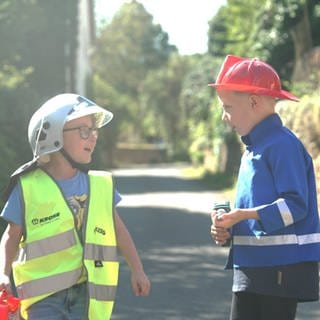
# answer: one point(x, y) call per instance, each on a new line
point(222, 207)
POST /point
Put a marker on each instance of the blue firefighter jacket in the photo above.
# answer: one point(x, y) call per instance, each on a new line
point(277, 178)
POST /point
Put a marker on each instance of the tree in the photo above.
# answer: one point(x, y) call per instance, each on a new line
point(281, 32)
point(230, 29)
point(296, 18)
point(33, 35)
point(165, 116)
point(126, 50)
point(218, 28)
point(286, 32)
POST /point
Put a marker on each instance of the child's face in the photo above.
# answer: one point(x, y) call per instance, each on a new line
point(80, 141)
point(238, 111)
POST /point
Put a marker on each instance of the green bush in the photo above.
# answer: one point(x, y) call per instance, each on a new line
point(303, 118)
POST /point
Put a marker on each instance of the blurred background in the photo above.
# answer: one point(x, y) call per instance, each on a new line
point(149, 62)
point(126, 61)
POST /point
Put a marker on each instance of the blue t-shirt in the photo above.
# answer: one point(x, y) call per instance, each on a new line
point(75, 191)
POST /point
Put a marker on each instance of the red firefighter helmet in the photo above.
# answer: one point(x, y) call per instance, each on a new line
point(250, 75)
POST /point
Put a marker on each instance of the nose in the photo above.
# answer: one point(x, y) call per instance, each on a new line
point(94, 135)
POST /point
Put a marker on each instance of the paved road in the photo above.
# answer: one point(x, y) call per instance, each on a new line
point(168, 218)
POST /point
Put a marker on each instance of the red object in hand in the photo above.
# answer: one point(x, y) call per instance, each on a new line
point(8, 304)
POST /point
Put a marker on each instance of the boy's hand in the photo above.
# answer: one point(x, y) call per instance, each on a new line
point(5, 283)
point(220, 235)
point(140, 284)
point(228, 219)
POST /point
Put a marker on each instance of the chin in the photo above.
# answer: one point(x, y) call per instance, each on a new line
point(86, 161)
point(241, 132)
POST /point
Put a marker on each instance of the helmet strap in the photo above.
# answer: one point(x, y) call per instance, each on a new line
point(76, 165)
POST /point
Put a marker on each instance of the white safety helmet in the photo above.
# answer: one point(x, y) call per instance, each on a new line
point(45, 130)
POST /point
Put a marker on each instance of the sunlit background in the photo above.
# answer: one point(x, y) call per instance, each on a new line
point(149, 62)
point(188, 31)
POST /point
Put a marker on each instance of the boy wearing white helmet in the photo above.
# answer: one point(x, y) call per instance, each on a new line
point(63, 219)
point(274, 226)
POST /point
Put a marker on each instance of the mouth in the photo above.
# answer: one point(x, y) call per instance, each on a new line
point(88, 150)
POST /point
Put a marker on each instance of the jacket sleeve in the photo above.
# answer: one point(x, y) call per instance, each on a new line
point(293, 175)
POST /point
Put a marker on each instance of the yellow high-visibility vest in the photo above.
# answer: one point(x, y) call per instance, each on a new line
point(51, 256)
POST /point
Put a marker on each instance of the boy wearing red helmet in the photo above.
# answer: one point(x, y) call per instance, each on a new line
point(274, 226)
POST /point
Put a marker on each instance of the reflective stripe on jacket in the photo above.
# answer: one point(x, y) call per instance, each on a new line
point(51, 255)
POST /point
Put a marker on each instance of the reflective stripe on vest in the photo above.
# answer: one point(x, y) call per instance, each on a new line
point(102, 293)
point(276, 240)
point(96, 252)
point(43, 247)
point(52, 239)
point(40, 286)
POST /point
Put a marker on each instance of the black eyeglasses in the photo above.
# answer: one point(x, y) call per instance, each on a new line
point(84, 131)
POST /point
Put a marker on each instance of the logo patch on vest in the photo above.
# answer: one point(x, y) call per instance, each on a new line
point(98, 263)
point(47, 219)
point(99, 230)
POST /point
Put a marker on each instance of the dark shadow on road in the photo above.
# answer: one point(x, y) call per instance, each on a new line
point(141, 184)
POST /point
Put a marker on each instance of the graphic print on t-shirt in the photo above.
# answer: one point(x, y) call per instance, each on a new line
point(78, 205)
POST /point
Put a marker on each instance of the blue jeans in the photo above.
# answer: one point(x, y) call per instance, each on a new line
point(68, 304)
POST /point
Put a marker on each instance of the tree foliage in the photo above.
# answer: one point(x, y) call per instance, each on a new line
point(285, 35)
point(165, 116)
point(280, 32)
point(34, 36)
point(126, 51)
point(231, 28)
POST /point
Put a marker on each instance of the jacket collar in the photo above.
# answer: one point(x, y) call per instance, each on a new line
point(262, 129)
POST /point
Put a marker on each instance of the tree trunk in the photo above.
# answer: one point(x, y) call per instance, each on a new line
point(302, 40)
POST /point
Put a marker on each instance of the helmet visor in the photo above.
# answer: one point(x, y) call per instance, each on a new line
point(101, 116)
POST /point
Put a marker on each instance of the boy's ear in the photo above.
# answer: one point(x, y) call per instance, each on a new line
point(254, 100)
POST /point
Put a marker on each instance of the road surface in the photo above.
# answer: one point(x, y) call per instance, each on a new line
point(168, 217)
